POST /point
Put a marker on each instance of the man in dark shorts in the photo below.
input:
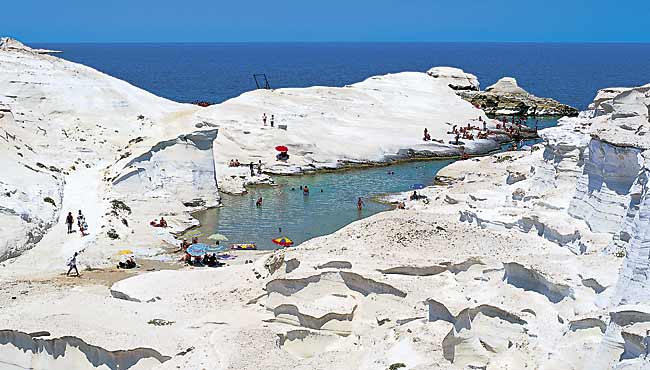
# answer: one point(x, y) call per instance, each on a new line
point(69, 220)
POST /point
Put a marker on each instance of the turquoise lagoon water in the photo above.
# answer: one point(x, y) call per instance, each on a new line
point(330, 205)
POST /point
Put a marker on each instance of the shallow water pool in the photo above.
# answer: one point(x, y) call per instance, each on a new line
point(330, 205)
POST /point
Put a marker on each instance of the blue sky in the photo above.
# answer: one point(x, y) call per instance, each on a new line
point(326, 20)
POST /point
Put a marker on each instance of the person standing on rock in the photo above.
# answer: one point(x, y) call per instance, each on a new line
point(264, 119)
point(72, 263)
point(80, 219)
point(272, 120)
point(69, 220)
point(250, 166)
point(259, 167)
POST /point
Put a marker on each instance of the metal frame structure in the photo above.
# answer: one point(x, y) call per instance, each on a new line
point(263, 82)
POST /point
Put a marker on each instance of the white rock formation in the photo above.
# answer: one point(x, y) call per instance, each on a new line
point(145, 148)
point(506, 85)
point(455, 78)
point(65, 126)
point(8, 43)
point(534, 259)
point(585, 189)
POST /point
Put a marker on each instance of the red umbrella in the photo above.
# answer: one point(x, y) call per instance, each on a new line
point(281, 148)
point(283, 241)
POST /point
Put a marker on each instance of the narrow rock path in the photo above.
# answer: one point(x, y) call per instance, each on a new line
point(82, 192)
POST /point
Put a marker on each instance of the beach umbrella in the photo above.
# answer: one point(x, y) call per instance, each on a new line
point(417, 186)
point(219, 237)
point(125, 252)
point(281, 148)
point(283, 241)
point(215, 248)
point(197, 249)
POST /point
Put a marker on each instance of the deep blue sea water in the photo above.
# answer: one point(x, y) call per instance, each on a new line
point(570, 73)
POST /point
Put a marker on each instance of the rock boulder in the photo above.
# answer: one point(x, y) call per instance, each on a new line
point(505, 97)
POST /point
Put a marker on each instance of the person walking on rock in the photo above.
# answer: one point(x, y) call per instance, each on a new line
point(72, 263)
point(69, 220)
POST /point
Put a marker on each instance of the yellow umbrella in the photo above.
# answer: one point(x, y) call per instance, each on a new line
point(125, 251)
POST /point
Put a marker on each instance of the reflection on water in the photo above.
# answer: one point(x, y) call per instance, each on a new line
point(330, 205)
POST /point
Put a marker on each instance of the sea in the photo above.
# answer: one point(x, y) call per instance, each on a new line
point(570, 73)
point(215, 72)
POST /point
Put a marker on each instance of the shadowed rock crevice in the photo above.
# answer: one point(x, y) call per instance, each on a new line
point(587, 323)
point(531, 280)
point(463, 321)
point(96, 356)
point(308, 321)
point(335, 265)
point(355, 282)
point(438, 311)
point(594, 285)
point(432, 270)
point(628, 317)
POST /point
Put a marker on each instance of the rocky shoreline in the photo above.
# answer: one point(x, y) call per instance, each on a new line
point(504, 98)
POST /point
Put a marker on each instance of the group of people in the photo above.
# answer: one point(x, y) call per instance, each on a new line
point(81, 223)
point(251, 166)
point(466, 132)
point(209, 260)
point(127, 263)
point(272, 121)
point(463, 132)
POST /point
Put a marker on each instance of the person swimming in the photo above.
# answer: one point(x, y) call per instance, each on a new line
point(305, 190)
